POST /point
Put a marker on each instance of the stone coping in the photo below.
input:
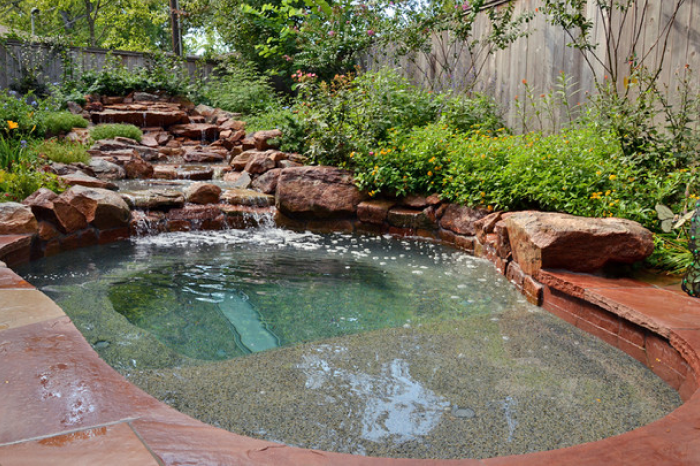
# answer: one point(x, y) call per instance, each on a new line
point(61, 404)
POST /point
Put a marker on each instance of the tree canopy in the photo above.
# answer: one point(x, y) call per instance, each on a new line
point(138, 25)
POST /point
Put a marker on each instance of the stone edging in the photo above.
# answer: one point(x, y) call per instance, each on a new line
point(60, 402)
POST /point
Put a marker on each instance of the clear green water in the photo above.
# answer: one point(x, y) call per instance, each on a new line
point(219, 295)
point(367, 345)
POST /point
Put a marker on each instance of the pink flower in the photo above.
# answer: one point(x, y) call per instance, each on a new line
point(287, 57)
point(465, 6)
point(370, 32)
point(331, 33)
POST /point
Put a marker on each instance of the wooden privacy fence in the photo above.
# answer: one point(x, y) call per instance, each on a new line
point(648, 35)
point(53, 64)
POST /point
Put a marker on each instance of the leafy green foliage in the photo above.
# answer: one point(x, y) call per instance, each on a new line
point(161, 73)
point(580, 171)
point(238, 88)
point(353, 113)
point(19, 170)
point(112, 130)
point(325, 38)
point(465, 114)
point(61, 151)
point(20, 183)
point(139, 25)
point(22, 115)
point(63, 122)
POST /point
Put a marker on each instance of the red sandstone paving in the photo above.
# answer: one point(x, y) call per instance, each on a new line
point(687, 342)
point(179, 440)
point(10, 280)
point(576, 284)
point(51, 382)
point(20, 307)
point(115, 444)
point(656, 309)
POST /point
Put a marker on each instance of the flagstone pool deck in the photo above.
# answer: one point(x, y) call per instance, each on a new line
point(60, 404)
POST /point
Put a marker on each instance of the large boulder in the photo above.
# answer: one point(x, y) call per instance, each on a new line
point(49, 207)
point(561, 241)
point(267, 182)
point(130, 160)
point(317, 193)
point(460, 219)
point(107, 170)
point(102, 208)
point(81, 179)
point(263, 139)
point(202, 193)
point(121, 144)
point(259, 162)
point(238, 180)
point(17, 219)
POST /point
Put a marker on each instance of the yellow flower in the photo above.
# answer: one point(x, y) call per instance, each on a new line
point(599, 173)
point(607, 193)
point(430, 173)
point(12, 125)
point(612, 177)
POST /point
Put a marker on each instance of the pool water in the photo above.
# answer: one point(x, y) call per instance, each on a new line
point(359, 344)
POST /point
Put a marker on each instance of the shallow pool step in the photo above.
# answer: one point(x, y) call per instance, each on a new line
point(253, 333)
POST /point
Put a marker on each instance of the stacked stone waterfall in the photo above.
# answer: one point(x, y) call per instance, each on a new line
point(185, 148)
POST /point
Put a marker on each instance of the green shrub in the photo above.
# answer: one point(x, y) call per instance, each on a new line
point(161, 73)
point(62, 151)
point(22, 182)
point(579, 171)
point(112, 130)
point(63, 122)
point(293, 130)
point(239, 88)
point(351, 114)
point(466, 114)
point(22, 115)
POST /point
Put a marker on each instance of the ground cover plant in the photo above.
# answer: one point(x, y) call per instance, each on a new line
point(61, 151)
point(113, 130)
point(63, 122)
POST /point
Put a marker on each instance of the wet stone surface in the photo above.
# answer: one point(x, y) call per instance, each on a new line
point(386, 347)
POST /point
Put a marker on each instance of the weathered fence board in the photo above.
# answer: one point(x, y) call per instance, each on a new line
point(541, 56)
